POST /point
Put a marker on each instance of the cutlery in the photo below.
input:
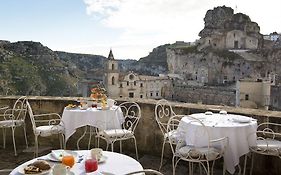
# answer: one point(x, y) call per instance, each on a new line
point(51, 160)
point(106, 173)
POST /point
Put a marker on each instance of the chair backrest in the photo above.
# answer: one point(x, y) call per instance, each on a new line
point(47, 119)
point(19, 110)
point(268, 139)
point(269, 130)
point(31, 116)
point(193, 131)
point(132, 114)
point(163, 112)
point(177, 137)
point(146, 171)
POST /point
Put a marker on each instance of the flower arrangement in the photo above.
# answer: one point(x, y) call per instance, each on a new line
point(98, 94)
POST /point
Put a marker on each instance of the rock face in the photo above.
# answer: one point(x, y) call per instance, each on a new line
point(215, 20)
point(29, 68)
point(226, 30)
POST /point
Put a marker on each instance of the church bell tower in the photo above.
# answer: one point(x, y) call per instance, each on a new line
point(112, 76)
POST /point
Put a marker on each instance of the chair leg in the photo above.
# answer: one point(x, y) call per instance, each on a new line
point(90, 138)
point(208, 168)
point(60, 140)
point(4, 137)
point(252, 164)
point(14, 141)
point(63, 141)
point(212, 170)
point(120, 146)
point(176, 163)
point(25, 137)
point(99, 142)
point(189, 168)
point(200, 169)
point(136, 148)
point(36, 146)
point(224, 169)
point(107, 144)
point(112, 146)
point(162, 154)
point(78, 141)
point(245, 165)
point(174, 168)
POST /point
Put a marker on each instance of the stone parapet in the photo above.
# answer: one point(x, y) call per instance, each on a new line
point(148, 135)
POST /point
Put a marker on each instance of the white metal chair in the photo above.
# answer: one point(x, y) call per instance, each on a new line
point(132, 114)
point(202, 155)
point(163, 112)
point(5, 171)
point(268, 142)
point(45, 125)
point(12, 118)
point(145, 171)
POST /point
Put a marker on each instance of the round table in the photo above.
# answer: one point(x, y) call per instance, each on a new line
point(103, 119)
point(115, 164)
point(236, 127)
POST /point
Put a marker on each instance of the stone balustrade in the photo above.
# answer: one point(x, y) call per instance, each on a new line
point(149, 137)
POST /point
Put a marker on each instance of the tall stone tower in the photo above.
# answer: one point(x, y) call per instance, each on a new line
point(112, 76)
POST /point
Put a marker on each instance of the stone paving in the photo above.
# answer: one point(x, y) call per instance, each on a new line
point(9, 161)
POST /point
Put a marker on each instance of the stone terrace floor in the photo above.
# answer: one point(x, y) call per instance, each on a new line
point(9, 161)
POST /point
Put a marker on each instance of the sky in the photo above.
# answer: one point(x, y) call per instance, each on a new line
point(131, 28)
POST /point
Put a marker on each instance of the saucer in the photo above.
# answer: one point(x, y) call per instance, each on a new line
point(102, 159)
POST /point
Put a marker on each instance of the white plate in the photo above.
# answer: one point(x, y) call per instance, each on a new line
point(223, 112)
point(56, 155)
point(208, 113)
point(67, 173)
point(241, 119)
point(21, 171)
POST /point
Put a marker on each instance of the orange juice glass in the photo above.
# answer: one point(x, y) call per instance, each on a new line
point(68, 160)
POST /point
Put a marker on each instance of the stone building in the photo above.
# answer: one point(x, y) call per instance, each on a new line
point(226, 30)
point(132, 85)
point(255, 94)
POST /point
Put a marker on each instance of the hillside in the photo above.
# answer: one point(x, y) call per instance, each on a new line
point(29, 68)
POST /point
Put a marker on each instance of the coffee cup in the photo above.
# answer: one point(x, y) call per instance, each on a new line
point(59, 169)
point(96, 153)
point(110, 102)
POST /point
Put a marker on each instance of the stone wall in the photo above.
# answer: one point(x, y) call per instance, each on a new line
point(275, 97)
point(205, 95)
point(149, 137)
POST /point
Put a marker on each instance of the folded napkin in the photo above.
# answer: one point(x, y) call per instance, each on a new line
point(58, 154)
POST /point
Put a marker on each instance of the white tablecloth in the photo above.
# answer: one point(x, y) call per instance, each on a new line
point(115, 163)
point(103, 119)
point(223, 125)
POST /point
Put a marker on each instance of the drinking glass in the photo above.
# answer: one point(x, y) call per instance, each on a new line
point(91, 165)
point(68, 160)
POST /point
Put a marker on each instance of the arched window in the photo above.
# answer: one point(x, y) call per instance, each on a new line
point(112, 80)
point(112, 67)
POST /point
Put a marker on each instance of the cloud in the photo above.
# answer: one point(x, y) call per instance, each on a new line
point(150, 23)
point(164, 20)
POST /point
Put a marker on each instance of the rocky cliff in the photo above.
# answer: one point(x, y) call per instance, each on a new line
point(29, 68)
point(222, 19)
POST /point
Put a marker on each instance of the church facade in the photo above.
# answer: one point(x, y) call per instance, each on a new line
point(133, 85)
